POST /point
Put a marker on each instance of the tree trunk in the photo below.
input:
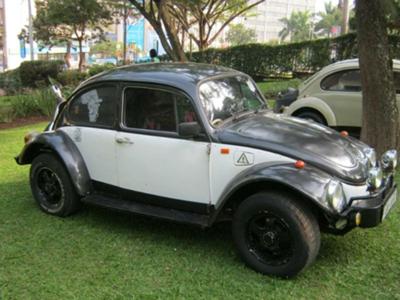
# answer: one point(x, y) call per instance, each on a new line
point(380, 116)
point(171, 31)
point(345, 21)
point(67, 56)
point(81, 55)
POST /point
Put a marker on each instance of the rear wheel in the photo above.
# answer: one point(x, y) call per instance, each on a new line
point(52, 187)
point(275, 235)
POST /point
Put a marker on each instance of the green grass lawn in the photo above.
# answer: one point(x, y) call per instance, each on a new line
point(100, 254)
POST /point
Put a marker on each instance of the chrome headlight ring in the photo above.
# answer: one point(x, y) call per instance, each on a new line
point(371, 156)
point(335, 196)
point(375, 178)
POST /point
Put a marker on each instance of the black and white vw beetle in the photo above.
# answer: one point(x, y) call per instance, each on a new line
point(196, 143)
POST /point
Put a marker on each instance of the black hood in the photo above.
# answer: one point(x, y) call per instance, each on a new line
point(300, 139)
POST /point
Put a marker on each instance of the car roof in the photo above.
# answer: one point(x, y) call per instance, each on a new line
point(184, 76)
point(351, 63)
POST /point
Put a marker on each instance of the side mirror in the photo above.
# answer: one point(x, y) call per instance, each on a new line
point(189, 129)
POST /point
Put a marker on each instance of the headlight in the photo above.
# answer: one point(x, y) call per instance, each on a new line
point(389, 160)
point(375, 177)
point(335, 196)
point(371, 156)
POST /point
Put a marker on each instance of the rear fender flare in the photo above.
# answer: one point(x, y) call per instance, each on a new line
point(62, 145)
point(314, 104)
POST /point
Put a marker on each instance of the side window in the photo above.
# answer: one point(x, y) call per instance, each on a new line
point(96, 106)
point(345, 81)
point(154, 109)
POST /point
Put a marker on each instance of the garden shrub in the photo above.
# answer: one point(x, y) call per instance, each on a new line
point(38, 102)
point(35, 73)
point(71, 77)
point(96, 69)
point(264, 60)
point(10, 81)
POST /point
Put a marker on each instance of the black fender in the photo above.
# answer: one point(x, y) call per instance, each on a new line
point(61, 144)
point(309, 182)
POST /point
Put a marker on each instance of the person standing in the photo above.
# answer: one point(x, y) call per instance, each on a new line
point(154, 56)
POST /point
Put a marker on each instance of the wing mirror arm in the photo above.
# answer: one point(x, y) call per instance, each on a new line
point(55, 88)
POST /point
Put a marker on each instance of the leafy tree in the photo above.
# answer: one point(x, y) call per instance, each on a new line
point(107, 49)
point(298, 27)
point(202, 20)
point(380, 118)
point(238, 34)
point(79, 20)
point(332, 16)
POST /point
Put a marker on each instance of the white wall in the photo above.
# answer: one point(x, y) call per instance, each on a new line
point(16, 18)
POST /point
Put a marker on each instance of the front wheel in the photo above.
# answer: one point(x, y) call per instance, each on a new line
point(313, 116)
point(52, 187)
point(275, 235)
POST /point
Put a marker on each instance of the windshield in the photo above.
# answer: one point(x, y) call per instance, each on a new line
point(227, 97)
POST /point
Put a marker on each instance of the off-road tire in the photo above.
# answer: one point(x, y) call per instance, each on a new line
point(69, 200)
point(303, 232)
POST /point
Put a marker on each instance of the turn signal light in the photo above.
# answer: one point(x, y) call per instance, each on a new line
point(344, 133)
point(299, 164)
point(224, 150)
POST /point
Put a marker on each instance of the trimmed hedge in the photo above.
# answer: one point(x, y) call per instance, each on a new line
point(35, 73)
point(71, 77)
point(262, 60)
point(10, 81)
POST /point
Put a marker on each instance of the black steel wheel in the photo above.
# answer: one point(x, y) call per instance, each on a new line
point(275, 235)
point(52, 187)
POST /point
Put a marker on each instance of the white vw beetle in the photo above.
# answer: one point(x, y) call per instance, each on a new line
point(331, 96)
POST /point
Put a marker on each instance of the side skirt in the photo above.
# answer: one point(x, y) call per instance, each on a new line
point(202, 220)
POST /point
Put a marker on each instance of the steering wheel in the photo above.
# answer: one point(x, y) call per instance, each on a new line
point(216, 122)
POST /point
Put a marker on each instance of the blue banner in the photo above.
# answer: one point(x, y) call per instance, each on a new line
point(22, 48)
point(135, 34)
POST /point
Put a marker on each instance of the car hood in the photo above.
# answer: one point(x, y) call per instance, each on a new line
point(301, 139)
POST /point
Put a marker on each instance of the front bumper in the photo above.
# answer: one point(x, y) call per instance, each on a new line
point(372, 210)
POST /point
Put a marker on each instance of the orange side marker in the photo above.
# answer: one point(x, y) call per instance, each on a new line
point(224, 150)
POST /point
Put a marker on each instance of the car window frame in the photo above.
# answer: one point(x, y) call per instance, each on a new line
point(84, 90)
point(221, 76)
point(335, 72)
point(204, 136)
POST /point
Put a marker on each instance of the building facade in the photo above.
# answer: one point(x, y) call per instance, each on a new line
point(14, 17)
point(265, 18)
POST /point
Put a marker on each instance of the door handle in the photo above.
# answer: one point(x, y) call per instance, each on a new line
point(123, 140)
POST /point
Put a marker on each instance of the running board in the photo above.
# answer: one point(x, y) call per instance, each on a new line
point(148, 210)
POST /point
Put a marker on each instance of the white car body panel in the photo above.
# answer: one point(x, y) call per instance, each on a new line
point(163, 166)
point(225, 167)
point(97, 147)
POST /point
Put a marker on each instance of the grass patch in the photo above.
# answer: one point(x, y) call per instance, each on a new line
point(101, 254)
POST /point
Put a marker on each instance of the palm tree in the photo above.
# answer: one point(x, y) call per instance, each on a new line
point(333, 16)
point(298, 26)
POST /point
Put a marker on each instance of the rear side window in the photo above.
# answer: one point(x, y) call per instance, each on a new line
point(346, 81)
point(94, 107)
point(154, 109)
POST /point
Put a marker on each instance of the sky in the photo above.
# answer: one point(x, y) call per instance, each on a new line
point(320, 4)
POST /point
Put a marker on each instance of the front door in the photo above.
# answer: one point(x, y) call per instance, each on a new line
point(155, 164)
